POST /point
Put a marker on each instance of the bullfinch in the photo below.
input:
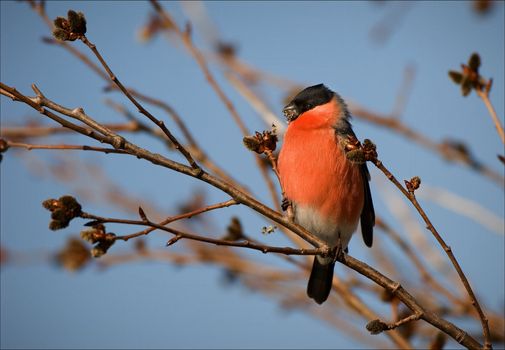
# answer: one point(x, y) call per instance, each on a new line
point(328, 193)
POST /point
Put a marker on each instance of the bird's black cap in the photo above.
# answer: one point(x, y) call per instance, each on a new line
point(307, 99)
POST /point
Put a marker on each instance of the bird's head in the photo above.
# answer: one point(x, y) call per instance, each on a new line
point(318, 103)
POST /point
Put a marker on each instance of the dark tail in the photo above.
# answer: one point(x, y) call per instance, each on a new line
point(320, 280)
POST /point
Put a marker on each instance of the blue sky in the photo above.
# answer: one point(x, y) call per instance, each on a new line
point(156, 305)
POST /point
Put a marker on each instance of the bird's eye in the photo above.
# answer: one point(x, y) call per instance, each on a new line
point(309, 106)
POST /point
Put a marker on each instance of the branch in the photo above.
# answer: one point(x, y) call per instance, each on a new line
point(193, 147)
point(448, 149)
point(377, 326)
point(181, 234)
point(484, 95)
point(140, 108)
point(179, 217)
point(423, 271)
point(200, 59)
point(409, 193)
point(396, 289)
point(29, 131)
point(30, 147)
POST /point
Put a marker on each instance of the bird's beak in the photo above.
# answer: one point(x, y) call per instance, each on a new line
point(290, 112)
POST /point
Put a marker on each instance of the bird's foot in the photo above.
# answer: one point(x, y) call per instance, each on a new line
point(287, 206)
point(338, 252)
point(286, 203)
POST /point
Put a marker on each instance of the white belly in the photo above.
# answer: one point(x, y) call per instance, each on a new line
point(328, 230)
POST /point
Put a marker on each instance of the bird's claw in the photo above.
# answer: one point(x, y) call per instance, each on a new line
point(337, 252)
point(286, 203)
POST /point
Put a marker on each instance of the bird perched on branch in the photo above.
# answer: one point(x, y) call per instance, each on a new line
point(328, 193)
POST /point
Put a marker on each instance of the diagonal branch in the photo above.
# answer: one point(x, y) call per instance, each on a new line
point(409, 193)
point(179, 217)
point(140, 108)
point(484, 95)
point(200, 59)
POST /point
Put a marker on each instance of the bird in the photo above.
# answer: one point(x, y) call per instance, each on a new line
point(328, 193)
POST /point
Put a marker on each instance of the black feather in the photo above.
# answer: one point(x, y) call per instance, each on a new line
point(311, 97)
point(368, 212)
point(320, 281)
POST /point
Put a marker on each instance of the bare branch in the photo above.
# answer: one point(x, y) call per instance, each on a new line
point(141, 109)
point(484, 95)
point(449, 150)
point(23, 132)
point(179, 217)
point(30, 147)
point(409, 193)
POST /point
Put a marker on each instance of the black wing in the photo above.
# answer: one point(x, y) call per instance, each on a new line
point(368, 212)
point(344, 129)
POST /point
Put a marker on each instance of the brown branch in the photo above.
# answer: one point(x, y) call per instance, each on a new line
point(39, 7)
point(484, 95)
point(179, 217)
point(35, 103)
point(355, 303)
point(196, 151)
point(449, 328)
point(30, 147)
point(193, 147)
point(140, 108)
point(378, 326)
point(81, 56)
point(423, 271)
point(409, 194)
point(221, 242)
point(29, 131)
point(200, 59)
point(444, 148)
point(256, 102)
point(404, 91)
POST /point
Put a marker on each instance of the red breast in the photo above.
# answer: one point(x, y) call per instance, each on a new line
point(314, 170)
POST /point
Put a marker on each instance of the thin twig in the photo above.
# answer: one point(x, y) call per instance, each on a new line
point(257, 103)
point(185, 235)
point(192, 145)
point(423, 271)
point(140, 108)
point(195, 150)
point(200, 59)
point(30, 147)
point(444, 149)
point(412, 198)
point(455, 332)
point(23, 132)
point(484, 95)
point(35, 104)
point(179, 217)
